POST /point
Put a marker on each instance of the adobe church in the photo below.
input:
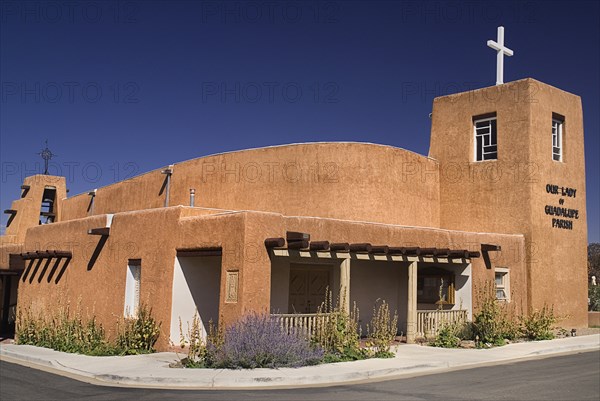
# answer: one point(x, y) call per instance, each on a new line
point(500, 197)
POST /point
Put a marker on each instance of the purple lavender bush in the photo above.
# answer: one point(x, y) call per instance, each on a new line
point(257, 341)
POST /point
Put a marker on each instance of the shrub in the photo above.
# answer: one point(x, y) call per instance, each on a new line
point(448, 336)
point(66, 333)
point(594, 297)
point(63, 333)
point(257, 341)
point(337, 332)
point(493, 322)
point(539, 324)
point(382, 330)
point(138, 335)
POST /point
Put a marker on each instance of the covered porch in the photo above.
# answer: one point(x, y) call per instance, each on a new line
point(428, 287)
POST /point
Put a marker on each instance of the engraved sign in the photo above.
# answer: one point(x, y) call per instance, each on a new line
point(232, 283)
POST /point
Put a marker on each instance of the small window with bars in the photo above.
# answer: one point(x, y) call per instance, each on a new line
point(486, 139)
point(502, 284)
point(557, 139)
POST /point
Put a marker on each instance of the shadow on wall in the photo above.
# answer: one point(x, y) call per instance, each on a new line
point(196, 285)
point(60, 265)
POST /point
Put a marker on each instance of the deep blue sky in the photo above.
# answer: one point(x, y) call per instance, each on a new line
point(120, 88)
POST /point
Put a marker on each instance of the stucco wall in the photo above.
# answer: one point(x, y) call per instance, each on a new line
point(355, 181)
point(154, 235)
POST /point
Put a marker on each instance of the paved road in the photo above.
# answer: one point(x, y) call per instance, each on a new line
point(571, 377)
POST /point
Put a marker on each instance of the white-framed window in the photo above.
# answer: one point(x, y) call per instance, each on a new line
point(502, 282)
point(132, 289)
point(557, 139)
point(486, 139)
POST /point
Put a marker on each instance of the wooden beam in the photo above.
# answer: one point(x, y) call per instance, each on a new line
point(490, 248)
point(275, 242)
point(10, 211)
point(298, 244)
point(99, 231)
point(441, 252)
point(475, 254)
point(380, 249)
point(296, 236)
point(458, 253)
point(46, 254)
point(319, 245)
point(425, 251)
point(200, 251)
point(410, 251)
point(339, 247)
point(361, 247)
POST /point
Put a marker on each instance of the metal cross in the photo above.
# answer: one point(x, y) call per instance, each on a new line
point(46, 155)
point(501, 52)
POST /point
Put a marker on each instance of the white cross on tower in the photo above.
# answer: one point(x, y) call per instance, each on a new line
point(499, 47)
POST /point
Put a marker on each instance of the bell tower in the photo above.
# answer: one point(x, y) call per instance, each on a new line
point(512, 161)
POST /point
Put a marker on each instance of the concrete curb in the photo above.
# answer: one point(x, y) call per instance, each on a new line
point(152, 371)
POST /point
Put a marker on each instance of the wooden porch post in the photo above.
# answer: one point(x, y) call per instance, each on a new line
point(411, 306)
point(345, 285)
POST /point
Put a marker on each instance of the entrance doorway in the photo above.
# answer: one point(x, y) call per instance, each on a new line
point(8, 304)
point(196, 287)
point(308, 286)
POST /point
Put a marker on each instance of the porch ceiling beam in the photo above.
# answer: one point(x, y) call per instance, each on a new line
point(380, 249)
point(441, 252)
point(319, 245)
point(361, 247)
point(475, 254)
point(296, 236)
point(458, 253)
point(275, 242)
point(298, 244)
point(425, 251)
point(340, 247)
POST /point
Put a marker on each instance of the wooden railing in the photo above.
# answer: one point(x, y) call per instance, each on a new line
point(429, 322)
point(305, 324)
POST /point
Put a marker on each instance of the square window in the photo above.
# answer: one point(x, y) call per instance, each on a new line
point(486, 139)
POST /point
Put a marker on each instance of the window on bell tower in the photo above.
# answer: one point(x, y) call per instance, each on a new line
point(486, 138)
point(558, 123)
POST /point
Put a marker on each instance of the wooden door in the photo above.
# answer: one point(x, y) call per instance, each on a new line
point(307, 289)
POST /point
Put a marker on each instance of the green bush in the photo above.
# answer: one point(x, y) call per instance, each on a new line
point(594, 297)
point(493, 321)
point(63, 333)
point(66, 333)
point(382, 330)
point(539, 324)
point(448, 336)
point(337, 332)
point(138, 335)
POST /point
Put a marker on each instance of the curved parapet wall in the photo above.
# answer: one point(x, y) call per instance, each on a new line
point(353, 181)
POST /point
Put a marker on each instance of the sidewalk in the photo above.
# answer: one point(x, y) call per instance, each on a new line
point(153, 370)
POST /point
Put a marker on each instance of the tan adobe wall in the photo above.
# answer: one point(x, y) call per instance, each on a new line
point(353, 181)
point(154, 235)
